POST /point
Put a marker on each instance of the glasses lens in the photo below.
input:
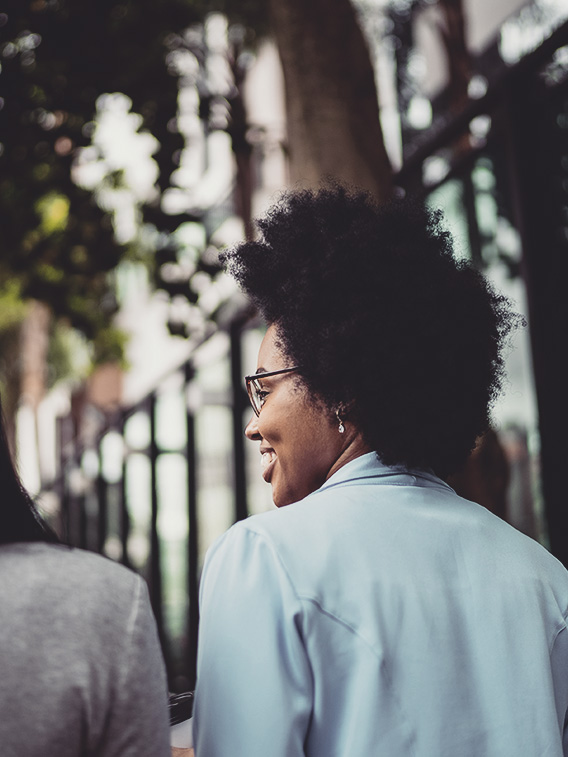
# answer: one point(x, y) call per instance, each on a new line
point(253, 389)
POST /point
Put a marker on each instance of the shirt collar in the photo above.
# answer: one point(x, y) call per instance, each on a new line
point(369, 465)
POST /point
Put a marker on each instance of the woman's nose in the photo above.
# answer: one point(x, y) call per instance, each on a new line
point(251, 429)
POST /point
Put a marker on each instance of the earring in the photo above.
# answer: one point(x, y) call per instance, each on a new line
point(341, 428)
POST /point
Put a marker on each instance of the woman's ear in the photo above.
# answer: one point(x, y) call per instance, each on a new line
point(344, 408)
point(339, 419)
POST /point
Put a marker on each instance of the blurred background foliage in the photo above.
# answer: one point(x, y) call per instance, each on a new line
point(66, 64)
point(58, 57)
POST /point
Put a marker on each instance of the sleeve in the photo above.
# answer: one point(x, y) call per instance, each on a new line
point(254, 686)
point(138, 720)
point(559, 668)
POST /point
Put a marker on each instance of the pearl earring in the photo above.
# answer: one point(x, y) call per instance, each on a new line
point(341, 428)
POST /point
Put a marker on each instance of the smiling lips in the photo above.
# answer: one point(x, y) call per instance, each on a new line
point(267, 460)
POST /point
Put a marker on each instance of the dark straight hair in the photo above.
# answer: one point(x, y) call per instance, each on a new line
point(19, 518)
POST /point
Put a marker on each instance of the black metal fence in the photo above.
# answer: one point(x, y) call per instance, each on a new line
point(121, 473)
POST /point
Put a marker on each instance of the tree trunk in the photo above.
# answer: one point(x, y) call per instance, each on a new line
point(458, 56)
point(334, 130)
point(31, 373)
point(11, 382)
point(453, 33)
point(34, 343)
point(239, 141)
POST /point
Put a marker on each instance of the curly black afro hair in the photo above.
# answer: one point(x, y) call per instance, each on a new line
point(369, 301)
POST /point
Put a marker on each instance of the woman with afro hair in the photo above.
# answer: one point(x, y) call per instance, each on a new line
point(375, 612)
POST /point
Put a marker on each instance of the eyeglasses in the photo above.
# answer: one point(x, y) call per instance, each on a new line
point(255, 392)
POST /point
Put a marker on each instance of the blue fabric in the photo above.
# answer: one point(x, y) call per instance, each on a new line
point(382, 615)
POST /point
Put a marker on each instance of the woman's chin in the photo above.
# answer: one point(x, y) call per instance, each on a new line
point(280, 498)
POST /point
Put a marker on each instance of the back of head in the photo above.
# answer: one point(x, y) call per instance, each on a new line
point(19, 518)
point(383, 321)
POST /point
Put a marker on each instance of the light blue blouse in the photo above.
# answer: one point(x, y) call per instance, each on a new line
point(382, 615)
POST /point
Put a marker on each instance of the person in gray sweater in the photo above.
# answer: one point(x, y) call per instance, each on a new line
point(81, 670)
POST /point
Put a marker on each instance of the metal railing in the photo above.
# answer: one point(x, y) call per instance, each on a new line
point(98, 488)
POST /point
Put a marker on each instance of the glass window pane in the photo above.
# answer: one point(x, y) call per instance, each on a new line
point(112, 450)
point(171, 420)
point(215, 494)
point(139, 505)
point(137, 431)
point(171, 474)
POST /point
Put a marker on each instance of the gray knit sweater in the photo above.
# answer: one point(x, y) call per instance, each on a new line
point(81, 671)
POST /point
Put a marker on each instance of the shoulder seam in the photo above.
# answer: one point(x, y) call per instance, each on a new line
point(306, 598)
point(561, 627)
point(340, 622)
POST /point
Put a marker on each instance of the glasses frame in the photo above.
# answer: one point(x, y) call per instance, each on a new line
point(251, 388)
